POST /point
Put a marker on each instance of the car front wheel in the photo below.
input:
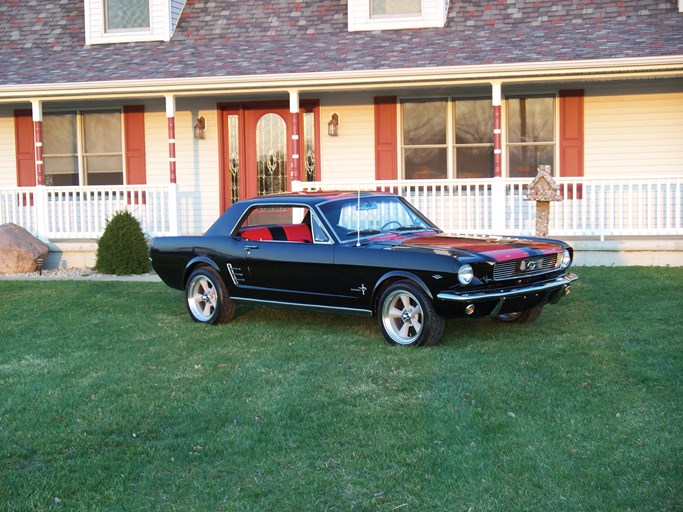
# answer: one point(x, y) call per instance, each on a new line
point(207, 297)
point(407, 317)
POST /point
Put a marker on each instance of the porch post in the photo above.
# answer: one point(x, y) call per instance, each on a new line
point(41, 193)
point(498, 186)
point(173, 214)
point(294, 116)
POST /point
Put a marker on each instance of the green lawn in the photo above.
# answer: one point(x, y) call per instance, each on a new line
point(111, 398)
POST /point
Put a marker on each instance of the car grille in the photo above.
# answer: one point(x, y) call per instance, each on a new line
point(525, 267)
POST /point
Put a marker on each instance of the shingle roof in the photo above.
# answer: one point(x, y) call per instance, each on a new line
point(42, 41)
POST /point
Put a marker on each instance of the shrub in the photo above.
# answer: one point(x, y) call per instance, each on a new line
point(122, 249)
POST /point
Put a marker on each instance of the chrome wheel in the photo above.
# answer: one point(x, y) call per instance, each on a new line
point(202, 298)
point(407, 317)
point(402, 317)
point(207, 297)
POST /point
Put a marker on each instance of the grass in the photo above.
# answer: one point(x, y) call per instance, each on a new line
point(112, 399)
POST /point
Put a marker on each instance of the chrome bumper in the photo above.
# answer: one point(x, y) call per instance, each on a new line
point(557, 287)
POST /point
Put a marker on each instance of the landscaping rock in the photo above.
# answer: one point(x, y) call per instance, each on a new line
point(19, 250)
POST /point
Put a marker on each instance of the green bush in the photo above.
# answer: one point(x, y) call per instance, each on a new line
point(122, 249)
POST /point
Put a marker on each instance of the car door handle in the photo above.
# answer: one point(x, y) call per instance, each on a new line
point(250, 248)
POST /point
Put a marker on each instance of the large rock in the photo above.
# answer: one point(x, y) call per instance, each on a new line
point(19, 250)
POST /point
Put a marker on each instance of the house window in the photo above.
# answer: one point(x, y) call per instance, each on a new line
point(395, 8)
point(396, 14)
point(530, 135)
point(127, 14)
point(83, 148)
point(447, 138)
point(473, 139)
point(425, 139)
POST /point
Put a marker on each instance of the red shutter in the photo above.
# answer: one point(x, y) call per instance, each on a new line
point(25, 148)
point(134, 138)
point(386, 166)
point(571, 135)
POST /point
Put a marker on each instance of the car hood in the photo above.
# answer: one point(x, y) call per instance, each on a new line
point(496, 248)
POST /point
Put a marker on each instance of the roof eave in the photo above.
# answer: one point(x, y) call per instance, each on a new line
point(599, 69)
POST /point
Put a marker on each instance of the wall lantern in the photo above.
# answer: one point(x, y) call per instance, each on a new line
point(333, 125)
point(199, 128)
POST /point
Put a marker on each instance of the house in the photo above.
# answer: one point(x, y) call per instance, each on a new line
point(177, 108)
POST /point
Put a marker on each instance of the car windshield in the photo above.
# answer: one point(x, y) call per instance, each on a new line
point(372, 215)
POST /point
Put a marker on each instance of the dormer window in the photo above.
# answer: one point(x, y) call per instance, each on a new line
point(127, 15)
point(396, 14)
point(395, 8)
point(130, 21)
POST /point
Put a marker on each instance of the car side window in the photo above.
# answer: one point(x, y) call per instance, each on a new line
point(282, 224)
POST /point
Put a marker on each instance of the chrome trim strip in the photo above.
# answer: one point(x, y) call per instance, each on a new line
point(309, 307)
point(565, 280)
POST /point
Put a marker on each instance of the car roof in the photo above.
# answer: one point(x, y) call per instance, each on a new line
point(227, 222)
point(314, 197)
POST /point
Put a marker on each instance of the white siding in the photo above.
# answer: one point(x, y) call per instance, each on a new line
point(8, 159)
point(196, 160)
point(634, 129)
point(176, 10)
point(351, 155)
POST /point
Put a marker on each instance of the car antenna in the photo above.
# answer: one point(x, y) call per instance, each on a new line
point(358, 219)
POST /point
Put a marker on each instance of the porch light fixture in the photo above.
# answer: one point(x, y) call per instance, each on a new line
point(333, 125)
point(199, 128)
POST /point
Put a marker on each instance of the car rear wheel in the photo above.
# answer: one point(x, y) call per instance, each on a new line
point(208, 301)
point(520, 317)
point(407, 317)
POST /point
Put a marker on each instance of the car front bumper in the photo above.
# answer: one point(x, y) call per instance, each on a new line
point(545, 292)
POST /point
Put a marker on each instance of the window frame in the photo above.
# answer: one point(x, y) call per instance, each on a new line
point(162, 23)
point(81, 154)
point(507, 144)
point(433, 14)
point(451, 145)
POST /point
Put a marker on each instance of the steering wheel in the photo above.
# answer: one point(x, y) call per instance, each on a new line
point(387, 224)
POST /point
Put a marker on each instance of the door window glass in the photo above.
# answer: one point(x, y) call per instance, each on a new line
point(271, 154)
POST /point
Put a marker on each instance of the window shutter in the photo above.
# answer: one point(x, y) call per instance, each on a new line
point(134, 138)
point(25, 148)
point(571, 135)
point(386, 167)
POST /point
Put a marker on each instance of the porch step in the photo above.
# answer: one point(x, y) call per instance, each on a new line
point(626, 251)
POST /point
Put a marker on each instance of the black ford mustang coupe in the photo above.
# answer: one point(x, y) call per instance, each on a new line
point(367, 253)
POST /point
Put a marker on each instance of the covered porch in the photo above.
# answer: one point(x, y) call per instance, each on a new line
point(609, 221)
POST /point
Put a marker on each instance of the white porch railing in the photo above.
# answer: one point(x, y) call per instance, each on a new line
point(594, 207)
point(591, 206)
point(82, 212)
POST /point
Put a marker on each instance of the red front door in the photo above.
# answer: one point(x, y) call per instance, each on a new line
point(255, 148)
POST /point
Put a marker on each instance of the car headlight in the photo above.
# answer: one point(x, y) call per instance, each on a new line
point(566, 258)
point(465, 274)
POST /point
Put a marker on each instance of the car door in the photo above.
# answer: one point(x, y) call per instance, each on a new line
point(278, 269)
